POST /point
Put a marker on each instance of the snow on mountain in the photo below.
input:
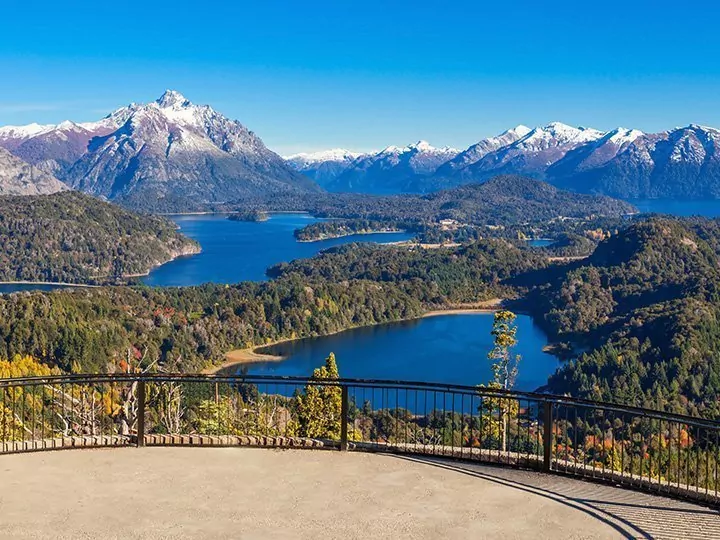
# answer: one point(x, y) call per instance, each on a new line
point(13, 136)
point(479, 150)
point(392, 169)
point(323, 166)
point(679, 163)
point(171, 154)
point(312, 158)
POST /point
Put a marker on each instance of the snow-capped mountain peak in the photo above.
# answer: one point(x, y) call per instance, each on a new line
point(422, 146)
point(334, 154)
point(621, 136)
point(559, 133)
point(519, 131)
point(419, 147)
point(172, 99)
point(27, 131)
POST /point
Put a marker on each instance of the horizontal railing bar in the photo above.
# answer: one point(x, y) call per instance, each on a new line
point(360, 383)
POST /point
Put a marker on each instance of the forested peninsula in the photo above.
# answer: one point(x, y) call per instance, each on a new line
point(69, 237)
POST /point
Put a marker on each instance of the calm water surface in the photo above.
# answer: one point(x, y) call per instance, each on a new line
point(236, 251)
point(448, 349)
point(540, 242)
point(679, 208)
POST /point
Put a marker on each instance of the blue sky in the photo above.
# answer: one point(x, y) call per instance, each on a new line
point(363, 75)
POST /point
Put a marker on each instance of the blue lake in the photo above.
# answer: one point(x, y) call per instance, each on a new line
point(447, 349)
point(679, 208)
point(540, 242)
point(235, 251)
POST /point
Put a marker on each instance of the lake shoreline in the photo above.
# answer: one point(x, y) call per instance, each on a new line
point(53, 283)
point(252, 355)
point(333, 237)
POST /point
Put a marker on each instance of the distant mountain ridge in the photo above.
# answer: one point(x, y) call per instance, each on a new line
point(627, 163)
point(391, 170)
point(166, 155)
point(20, 178)
point(324, 166)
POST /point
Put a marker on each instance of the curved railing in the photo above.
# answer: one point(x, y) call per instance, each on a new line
point(664, 453)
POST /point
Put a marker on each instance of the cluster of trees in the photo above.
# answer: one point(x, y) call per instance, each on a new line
point(645, 309)
point(249, 215)
point(74, 238)
point(323, 230)
point(435, 277)
point(186, 329)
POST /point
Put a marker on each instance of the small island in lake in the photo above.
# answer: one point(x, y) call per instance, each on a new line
point(325, 230)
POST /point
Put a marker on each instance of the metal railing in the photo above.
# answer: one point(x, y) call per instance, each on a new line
point(654, 451)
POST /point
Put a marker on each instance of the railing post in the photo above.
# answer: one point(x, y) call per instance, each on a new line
point(344, 409)
point(141, 413)
point(547, 435)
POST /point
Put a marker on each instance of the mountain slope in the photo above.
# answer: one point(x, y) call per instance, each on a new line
point(644, 305)
point(325, 166)
point(681, 163)
point(75, 238)
point(529, 155)
point(627, 163)
point(55, 148)
point(173, 155)
point(391, 170)
point(167, 155)
point(20, 178)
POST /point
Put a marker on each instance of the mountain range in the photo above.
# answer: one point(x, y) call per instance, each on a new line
point(165, 155)
point(173, 155)
point(626, 163)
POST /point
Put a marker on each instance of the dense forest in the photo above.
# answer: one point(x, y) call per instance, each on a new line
point(501, 201)
point(74, 238)
point(336, 228)
point(437, 277)
point(645, 309)
point(185, 329)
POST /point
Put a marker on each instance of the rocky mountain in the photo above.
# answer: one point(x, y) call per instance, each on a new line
point(478, 151)
point(529, 154)
point(167, 155)
point(20, 178)
point(683, 163)
point(392, 170)
point(626, 163)
point(325, 166)
point(56, 148)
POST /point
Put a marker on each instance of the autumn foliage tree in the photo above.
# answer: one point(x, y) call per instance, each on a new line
point(505, 370)
point(319, 405)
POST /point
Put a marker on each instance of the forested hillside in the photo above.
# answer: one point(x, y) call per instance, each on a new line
point(185, 329)
point(646, 308)
point(74, 238)
point(437, 277)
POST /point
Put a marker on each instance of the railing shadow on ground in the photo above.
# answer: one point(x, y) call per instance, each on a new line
point(632, 514)
point(652, 451)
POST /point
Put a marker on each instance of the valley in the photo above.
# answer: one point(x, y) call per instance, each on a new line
point(331, 252)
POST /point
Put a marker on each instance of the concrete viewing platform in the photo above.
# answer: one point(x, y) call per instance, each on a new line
point(262, 493)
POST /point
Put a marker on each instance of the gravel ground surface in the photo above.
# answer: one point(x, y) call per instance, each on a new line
point(260, 493)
